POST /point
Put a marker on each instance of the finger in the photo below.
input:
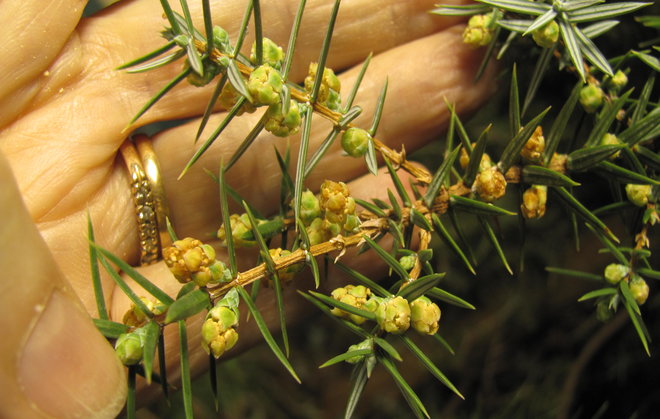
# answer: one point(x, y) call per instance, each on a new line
point(404, 123)
point(296, 308)
point(34, 33)
point(54, 362)
point(111, 40)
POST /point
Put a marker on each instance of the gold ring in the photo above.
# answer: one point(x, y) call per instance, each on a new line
point(152, 170)
point(148, 196)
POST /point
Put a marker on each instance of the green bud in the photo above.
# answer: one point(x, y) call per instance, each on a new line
point(334, 100)
point(639, 290)
point(591, 97)
point(352, 223)
point(365, 344)
point(283, 125)
point(478, 32)
point(611, 139)
point(547, 35)
point(424, 316)
point(310, 207)
point(129, 348)
point(265, 84)
point(408, 262)
point(639, 194)
point(181, 40)
point(393, 315)
point(355, 141)
point(272, 54)
point(240, 228)
point(603, 311)
point(354, 295)
point(221, 40)
point(618, 81)
point(615, 272)
point(210, 71)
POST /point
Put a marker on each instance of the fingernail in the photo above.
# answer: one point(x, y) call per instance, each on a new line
point(67, 369)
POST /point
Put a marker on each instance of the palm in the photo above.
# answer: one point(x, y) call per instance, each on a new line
point(63, 108)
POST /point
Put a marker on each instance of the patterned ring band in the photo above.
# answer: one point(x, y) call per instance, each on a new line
point(149, 197)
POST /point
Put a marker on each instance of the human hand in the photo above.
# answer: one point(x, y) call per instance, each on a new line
point(62, 110)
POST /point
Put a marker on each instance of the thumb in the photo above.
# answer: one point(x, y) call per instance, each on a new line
point(53, 361)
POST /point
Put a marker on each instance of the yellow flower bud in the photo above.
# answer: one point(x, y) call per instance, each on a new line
point(591, 97)
point(534, 147)
point(329, 82)
point(425, 316)
point(479, 31)
point(639, 194)
point(615, 272)
point(393, 315)
point(639, 290)
point(547, 35)
point(490, 184)
point(218, 330)
point(135, 317)
point(533, 202)
point(353, 295)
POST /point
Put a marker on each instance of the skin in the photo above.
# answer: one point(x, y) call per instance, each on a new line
point(62, 111)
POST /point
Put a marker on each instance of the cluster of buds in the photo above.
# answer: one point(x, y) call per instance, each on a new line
point(191, 260)
point(280, 124)
point(533, 202)
point(490, 184)
point(329, 89)
point(615, 273)
point(241, 230)
point(639, 194)
point(265, 84)
point(356, 296)
point(336, 201)
point(271, 53)
point(394, 314)
point(329, 214)
point(285, 274)
point(135, 317)
point(591, 97)
point(535, 146)
point(219, 328)
point(547, 35)
point(479, 30)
